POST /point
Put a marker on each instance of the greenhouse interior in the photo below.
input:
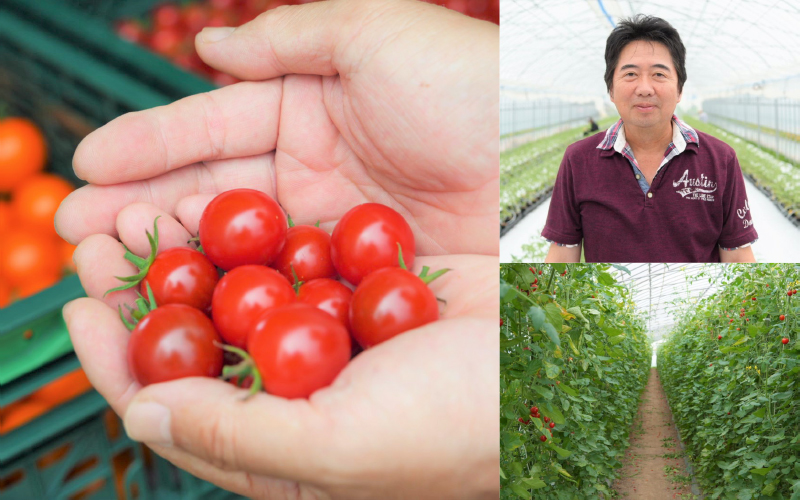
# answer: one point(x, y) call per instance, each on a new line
point(649, 381)
point(743, 87)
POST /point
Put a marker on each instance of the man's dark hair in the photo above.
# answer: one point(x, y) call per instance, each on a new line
point(642, 27)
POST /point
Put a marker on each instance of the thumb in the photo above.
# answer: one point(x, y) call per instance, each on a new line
point(315, 38)
point(208, 418)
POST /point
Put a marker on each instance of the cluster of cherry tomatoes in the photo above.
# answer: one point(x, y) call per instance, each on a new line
point(170, 28)
point(266, 291)
point(33, 257)
point(548, 423)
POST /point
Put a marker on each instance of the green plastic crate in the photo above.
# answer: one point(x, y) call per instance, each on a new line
point(67, 93)
point(78, 460)
point(47, 75)
point(89, 26)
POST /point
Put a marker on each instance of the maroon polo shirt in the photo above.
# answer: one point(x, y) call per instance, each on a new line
point(698, 204)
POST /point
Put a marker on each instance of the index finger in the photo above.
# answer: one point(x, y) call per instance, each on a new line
point(235, 121)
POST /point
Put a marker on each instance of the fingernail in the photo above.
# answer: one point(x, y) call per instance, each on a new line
point(149, 423)
point(66, 312)
point(211, 35)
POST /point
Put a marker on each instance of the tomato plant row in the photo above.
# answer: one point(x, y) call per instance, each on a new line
point(573, 362)
point(734, 385)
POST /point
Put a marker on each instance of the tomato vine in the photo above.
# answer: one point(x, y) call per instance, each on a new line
point(574, 351)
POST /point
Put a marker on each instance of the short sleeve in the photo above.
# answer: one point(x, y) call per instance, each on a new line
point(737, 228)
point(563, 219)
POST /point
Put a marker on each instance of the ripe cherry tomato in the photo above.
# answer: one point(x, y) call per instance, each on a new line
point(6, 217)
point(181, 275)
point(171, 342)
point(195, 17)
point(298, 349)
point(5, 294)
point(785, 340)
point(27, 254)
point(169, 42)
point(132, 31)
point(389, 302)
point(36, 199)
point(66, 250)
point(167, 16)
point(543, 438)
point(23, 151)
point(308, 251)
point(365, 240)
point(36, 283)
point(330, 296)
point(242, 295)
point(781, 317)
point(242, 226)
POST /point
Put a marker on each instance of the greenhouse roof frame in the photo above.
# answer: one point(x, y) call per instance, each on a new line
point(557, 46)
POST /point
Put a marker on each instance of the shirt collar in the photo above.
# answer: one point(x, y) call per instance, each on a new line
point(682, 134)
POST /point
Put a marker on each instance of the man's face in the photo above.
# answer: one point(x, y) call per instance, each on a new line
point(645, 85)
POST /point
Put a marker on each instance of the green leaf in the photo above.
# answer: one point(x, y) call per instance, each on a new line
point(578, 313)
point(761, 472)
point(551, 370)
point(561, 451)
point(569, 390)
point(546, 393)
point(511, 441)
point(612, 332)
point(520, 490)
point(502, 475)
point(616, 340)
point(606, 279)
point(553, 313)
point(507, 292)
point(534, 483)
point(742, 340)
point(572, 346)
point(552, 333)
point(536, 314)
point(554, 414)
point(770, 488)
point(621, 268)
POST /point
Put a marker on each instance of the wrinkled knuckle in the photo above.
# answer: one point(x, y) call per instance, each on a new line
point(218, 439)
point(215, 127)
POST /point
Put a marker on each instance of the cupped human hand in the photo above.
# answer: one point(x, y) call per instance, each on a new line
point(343, 102)
point(414, 417)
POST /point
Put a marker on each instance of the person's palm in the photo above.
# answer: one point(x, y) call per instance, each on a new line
point(389, 124)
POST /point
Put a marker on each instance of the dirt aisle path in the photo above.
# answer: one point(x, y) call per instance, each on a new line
point(653, 467)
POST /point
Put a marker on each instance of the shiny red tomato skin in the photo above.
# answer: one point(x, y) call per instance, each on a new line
point(298, 349)
point(241, 227)
point(365, 240)
point(389, 302)
point(308, 250)
point(181, 275)
point(328, 295)
point(171, 342)
point(242, 295)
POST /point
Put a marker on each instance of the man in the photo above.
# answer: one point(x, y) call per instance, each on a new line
point(592, 127)
point(651, 188)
